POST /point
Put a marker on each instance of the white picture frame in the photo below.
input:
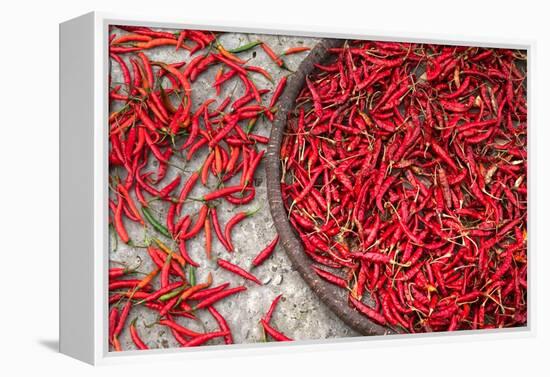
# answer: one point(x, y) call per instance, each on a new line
point(83, 191)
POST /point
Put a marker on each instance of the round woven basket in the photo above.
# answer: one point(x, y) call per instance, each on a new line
point(335, 298)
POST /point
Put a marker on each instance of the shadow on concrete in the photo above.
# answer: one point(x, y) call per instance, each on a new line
point(52, 345)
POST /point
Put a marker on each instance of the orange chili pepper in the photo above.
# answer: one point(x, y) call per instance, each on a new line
point(208, 238)
point(156, 43)
point(229, 55)
point(167, 250)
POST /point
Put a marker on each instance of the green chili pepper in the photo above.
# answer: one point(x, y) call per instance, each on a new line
point(169, 295)
point(154, 222)
point(250, 126)
point(192, 278)
point(114, 238)
point(245, 47)
point(168, 260)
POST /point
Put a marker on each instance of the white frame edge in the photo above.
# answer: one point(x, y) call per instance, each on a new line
point(77, 115)
point(84, 107)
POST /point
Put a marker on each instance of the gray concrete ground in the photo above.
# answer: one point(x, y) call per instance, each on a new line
point(300, 314)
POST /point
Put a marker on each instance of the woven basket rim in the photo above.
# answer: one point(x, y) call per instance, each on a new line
point(333, 297)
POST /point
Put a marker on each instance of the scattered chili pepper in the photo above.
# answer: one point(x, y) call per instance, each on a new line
point(296, 50)
point(278, 91)
point(198, 340)
point(275, 334)
point(155, 223)
point(224, 327)
point(219, 296)
point(245, 47)
point(238, 270)
point(269, 314)
point(231, 224)
point(135, 336)
point(272, 54)
point(265, 253)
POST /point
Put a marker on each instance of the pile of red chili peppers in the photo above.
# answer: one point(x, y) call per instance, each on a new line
point(157, 120)
point(405, 173)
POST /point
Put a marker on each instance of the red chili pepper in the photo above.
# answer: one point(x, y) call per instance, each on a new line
point(333, 279)
point(113, 320)
point(249, 176)
point(217, 228)
point(119, 225)
point(116, 344)
point(272, 54)
point(186, 190)
point(265, 253)
point(167, 190)
point(296, 50)
point(272, 307)
point(129, 283)
point(233, 122)
point(198, 225)
point(130, 202)
point(122, 319)
point(224, 327)
point(278, 91)
point(222, 192)
point(180, 329)
point(218, 296)
point(208, 238)
point(205, 293)
point(316, 98)
point(278, 336)
point(231, 224)
point(235, 66)
point(135, 337)
point(305, 191)
point(238, 271)
point(183, 249)
point(260, 70)
point(131, 38)
point(197, 341)
point(206, 168)
point(124, 69)
point(366, 310)
point(155, 295)
point(444, 156)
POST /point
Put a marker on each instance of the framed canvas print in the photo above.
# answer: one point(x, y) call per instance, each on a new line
point(233, 189)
